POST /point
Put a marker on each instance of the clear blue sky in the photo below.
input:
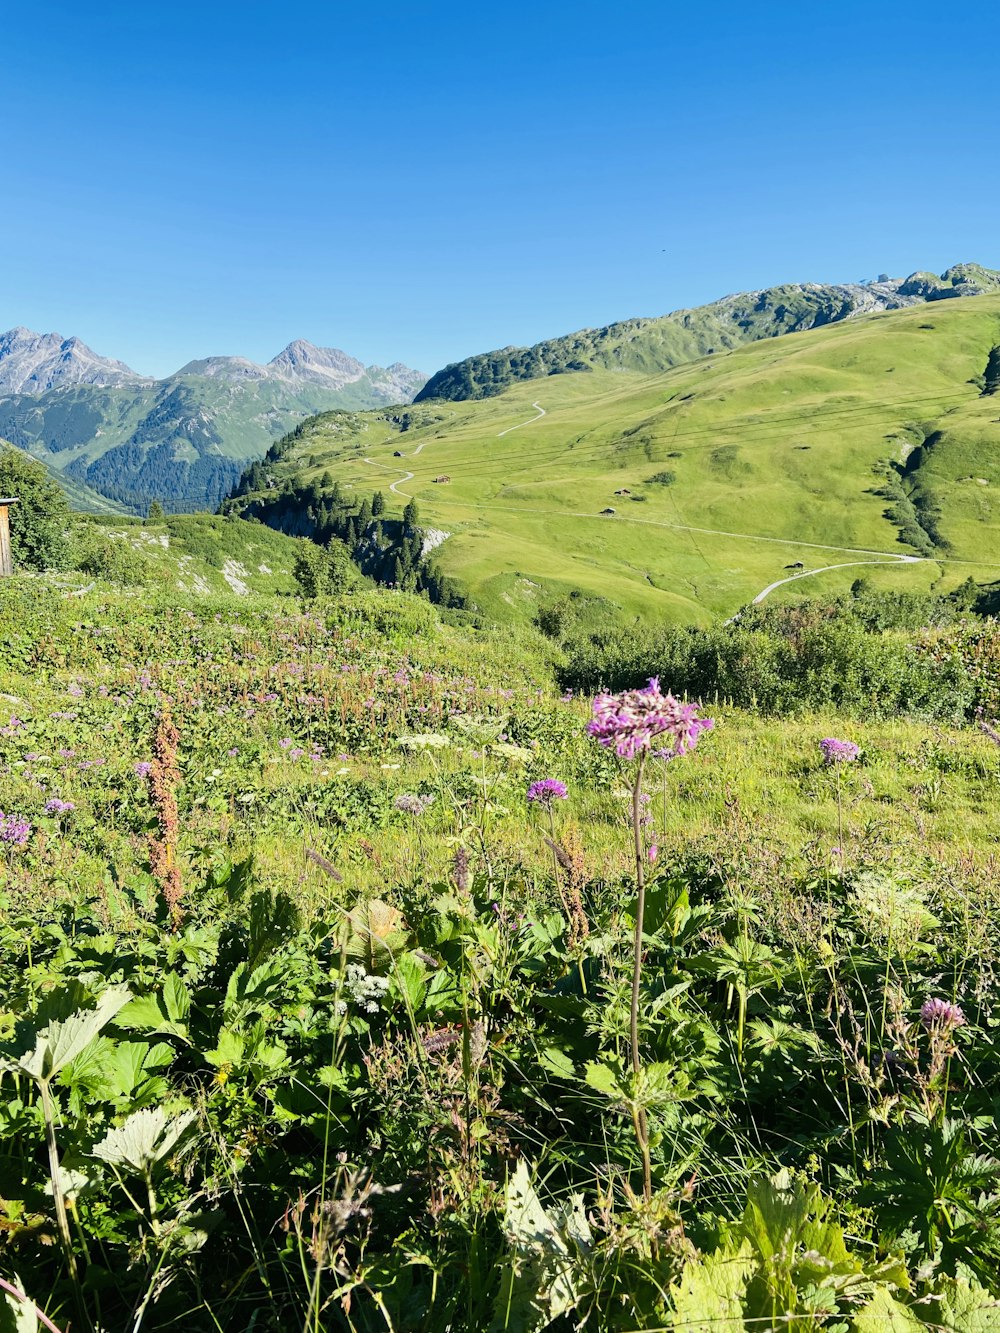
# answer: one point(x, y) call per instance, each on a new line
point(421, 181)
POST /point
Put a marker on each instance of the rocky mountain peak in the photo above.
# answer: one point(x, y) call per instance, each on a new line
point(36, 362)
point(304, 362)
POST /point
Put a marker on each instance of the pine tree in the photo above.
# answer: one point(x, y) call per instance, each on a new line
point(378, 504)
point(155, 514)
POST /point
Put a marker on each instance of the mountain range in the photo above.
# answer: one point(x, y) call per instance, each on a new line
point(118, 439)
point(865, 444)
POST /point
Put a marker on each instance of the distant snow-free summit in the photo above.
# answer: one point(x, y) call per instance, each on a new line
point(303, 362)
point(182, 440)
point(37, 362)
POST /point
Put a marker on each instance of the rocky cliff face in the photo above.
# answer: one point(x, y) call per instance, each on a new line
point(37, 362)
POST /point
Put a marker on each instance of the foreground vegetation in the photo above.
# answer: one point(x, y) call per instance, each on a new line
point(313, 1020)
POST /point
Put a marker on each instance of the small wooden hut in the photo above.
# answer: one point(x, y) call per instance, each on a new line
point(6, 559)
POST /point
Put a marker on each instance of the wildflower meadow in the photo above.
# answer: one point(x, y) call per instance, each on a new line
point(358, 974)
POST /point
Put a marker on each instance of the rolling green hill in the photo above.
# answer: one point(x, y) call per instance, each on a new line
point(871, 446)
point(652, 345)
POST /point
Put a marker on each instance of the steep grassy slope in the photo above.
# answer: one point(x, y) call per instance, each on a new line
point(200, 554)
point(652, 345)
point(858, 442)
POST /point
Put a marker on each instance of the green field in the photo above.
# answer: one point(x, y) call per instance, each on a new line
point(774, 451)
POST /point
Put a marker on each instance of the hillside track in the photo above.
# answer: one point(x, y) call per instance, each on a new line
point(541, 413)
point(393, 485)
point(849, 564)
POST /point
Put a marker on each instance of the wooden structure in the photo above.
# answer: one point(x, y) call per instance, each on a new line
point(6, 559)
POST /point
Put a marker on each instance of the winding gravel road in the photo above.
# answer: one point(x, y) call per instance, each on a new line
point(848, 564)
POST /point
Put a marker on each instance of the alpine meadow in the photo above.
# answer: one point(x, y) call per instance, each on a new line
point(511, 847)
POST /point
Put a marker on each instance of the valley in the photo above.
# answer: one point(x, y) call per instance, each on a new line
point(719, 475)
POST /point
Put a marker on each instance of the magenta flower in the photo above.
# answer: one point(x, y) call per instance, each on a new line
point(629, 722)
point(838, 752)
point(546, 791)
point(941, 1015)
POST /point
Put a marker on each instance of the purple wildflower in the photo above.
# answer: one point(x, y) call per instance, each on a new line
point(838, 752)
point(143, 768)
point(629, 721)
point(14, 830)
point(57, 807)
point(941, 1015)
point(546, 791)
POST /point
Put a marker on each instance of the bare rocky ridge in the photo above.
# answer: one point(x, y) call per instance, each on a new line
point(37, 362)
point(303, 362)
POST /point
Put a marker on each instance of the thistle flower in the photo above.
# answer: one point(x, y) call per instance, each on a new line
point(941, 1015)
point(546, 791)
point(838, 752)
point(628, 722)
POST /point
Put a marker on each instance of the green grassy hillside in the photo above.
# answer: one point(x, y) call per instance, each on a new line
point(653, 345)
point(198, 554)
point(868, 440)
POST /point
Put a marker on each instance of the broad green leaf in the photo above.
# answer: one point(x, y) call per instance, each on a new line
point(884, 1314)
point(411, 976)
point(176, 1000)
point(145, 1138)
point(967, 1307)
point(545, 1279)
point(228, 1050)
point(557, 1062)
point(17, 1316)
point(709, 1296)
point(603, 1079)
point(149, 1013)
point(62, 1041)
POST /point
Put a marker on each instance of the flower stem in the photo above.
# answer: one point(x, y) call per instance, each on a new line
point(639, 1113)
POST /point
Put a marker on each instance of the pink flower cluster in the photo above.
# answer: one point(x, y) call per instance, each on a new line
point(630, 721)
point(14, 829)
point(838, 752)
point(547, 790)
point(941, 1014)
